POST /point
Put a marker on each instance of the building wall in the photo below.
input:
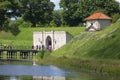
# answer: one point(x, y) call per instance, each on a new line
point(68, 37)
point(37, 38)
point(58, 38)
point(97, 24)
point(104, 23)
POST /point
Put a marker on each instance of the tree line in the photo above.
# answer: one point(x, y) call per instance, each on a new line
point(75, 11)
point(41, 12)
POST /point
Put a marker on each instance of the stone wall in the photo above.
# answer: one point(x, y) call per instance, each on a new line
point(97, 24)
point(51, 39)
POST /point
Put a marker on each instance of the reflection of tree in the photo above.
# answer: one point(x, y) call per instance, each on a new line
point(25, 78)
point(4, 77)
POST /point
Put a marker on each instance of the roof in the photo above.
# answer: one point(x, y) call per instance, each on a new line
point(98, 16)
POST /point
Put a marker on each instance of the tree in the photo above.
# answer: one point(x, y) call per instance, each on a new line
point(37, 11)
point(8, 9)
point(70, 14)
point(75, 11)
point(57, 17)
point(109, 7)
point(3, 10)
point(13, 27)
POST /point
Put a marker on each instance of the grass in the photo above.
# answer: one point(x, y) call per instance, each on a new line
point(96, 51)
point(108, 67)
point(24, 39)
point(94, 45)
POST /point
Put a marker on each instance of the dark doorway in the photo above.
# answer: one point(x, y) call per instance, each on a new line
point(48, 43)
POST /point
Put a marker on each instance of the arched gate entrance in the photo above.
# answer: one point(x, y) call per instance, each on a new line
point(49, 43)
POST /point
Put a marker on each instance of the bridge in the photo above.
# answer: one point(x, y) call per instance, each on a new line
point(17, 54)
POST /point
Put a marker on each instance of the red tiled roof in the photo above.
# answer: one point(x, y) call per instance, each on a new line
point(98, 16)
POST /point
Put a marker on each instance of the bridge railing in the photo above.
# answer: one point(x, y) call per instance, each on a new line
point(17, 54)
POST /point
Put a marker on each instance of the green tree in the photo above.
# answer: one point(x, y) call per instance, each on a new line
point(37, 11)
point(75, 11)
point(57, 17)
point(109, 7)
point(8, 9)
point(52, 24)
point(70, 14)
point(3, 10)
point(14, 26)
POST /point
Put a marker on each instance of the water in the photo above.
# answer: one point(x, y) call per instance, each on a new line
point(10, 71)
point(21, 70)
point(14, 71)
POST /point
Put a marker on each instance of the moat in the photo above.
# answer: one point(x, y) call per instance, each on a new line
point(28, 71)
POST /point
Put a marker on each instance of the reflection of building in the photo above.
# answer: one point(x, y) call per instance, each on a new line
point(51, 39)
point(48, 78)
point(97, 21)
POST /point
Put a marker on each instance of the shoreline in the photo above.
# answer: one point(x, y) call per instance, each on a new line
point(108, 67)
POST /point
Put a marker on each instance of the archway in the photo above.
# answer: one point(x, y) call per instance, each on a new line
point(48, 43)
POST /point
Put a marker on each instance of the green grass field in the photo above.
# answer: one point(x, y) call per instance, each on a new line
point(24, 39)
point(94, 51)
point(94, 45)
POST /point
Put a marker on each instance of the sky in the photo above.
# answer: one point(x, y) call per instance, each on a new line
point(118, 0)
point(56, 2)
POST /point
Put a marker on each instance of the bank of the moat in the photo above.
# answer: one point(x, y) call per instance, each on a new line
point(94, 51)
point(108, 66)
point(17, 70)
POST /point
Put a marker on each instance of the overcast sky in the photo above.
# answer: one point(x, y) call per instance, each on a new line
point(56, 2)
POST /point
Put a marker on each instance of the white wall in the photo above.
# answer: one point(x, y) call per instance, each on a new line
point(60, 39)
point(98, 24)
point(37, 38)
point(95, 24)
point(104, 23)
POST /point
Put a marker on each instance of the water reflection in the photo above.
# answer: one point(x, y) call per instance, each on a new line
point(33, 78)
point(49, 78)
point(36, 72)
point(31, 72)
point(20, 70)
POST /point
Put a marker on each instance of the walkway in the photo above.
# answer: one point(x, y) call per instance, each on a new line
point(17, 54)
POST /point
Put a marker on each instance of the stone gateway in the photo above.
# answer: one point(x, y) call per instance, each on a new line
point(51, 40)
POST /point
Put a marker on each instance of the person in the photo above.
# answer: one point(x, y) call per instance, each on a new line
point(50, 48)
point(32, 47)
point(10, 47)
point(5, 46)
point(39, 47)
point(36, 47)
point(42, 46)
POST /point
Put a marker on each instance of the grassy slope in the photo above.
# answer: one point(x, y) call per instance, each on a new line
point(103, 44)
point(25, 38)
